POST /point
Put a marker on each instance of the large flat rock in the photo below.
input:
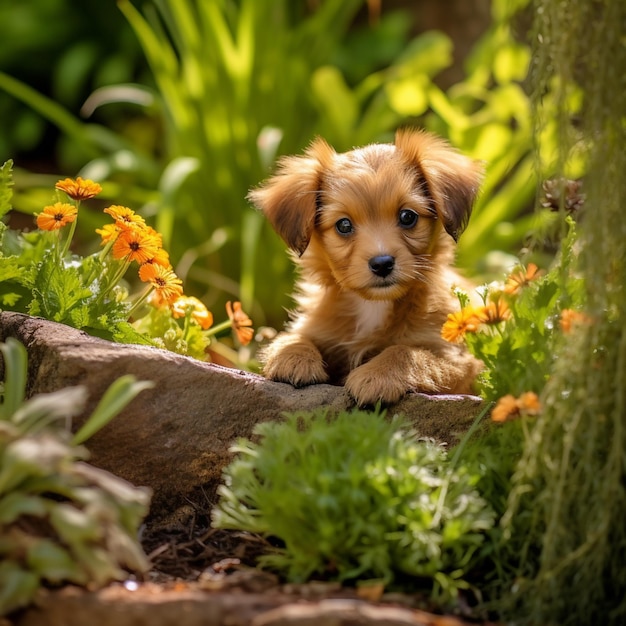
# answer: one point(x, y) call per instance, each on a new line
point(175, 437)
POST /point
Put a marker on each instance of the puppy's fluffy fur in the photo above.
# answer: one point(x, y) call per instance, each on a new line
point(373, 233)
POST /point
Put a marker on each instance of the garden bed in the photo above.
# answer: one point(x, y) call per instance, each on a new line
point(175, 440)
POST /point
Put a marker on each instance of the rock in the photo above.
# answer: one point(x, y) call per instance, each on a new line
point(175, 438)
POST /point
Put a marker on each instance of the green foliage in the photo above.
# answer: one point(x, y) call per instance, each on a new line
point(61, 520)
point(570, 568)
point(77, 51)
point(493, 454)
point(356, 497)
point(519, 348)
point(39, 276)
point(238, 84)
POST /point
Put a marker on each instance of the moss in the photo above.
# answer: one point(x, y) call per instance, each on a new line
point(571, 477)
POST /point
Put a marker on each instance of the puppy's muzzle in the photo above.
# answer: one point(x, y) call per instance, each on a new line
point(382, 265)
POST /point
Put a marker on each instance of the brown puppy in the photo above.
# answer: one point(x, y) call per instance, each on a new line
point(374, 229)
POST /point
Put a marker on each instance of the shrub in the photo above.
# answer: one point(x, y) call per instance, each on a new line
point(355, 497)
point(61, 520)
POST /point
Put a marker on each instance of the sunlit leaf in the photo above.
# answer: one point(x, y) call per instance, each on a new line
point(409, 96)
point(335, 99)
point(6, 182)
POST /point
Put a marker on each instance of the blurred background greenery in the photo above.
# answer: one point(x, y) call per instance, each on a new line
point(179, 107)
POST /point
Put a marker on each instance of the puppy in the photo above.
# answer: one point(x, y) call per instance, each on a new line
point(373, 232)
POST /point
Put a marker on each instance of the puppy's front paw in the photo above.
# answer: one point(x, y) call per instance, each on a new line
point(368, 385)
point(294, 360)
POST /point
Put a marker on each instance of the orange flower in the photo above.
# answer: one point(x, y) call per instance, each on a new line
point(56, 216)
point(570, 319)
point(520, 278)
point(108, 232)
point(509, 407)
point(457, 324)
point(506, 409)
point(124, 216)
point(494, 312)
point(157, 235)
point(167, 286)
point(241, 323)
point(79, 189)
point(529, 403)
point(161, 258)
point(135, 244)
point(199, 313)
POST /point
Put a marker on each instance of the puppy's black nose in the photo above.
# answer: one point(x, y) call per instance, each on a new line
point(382, 265)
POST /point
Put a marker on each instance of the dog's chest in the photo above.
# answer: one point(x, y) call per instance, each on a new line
point(370, 316)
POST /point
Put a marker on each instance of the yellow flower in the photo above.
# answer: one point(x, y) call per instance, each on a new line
point(570, 319)
point(108, 233)
point(79, 189)
point(167, 286)
point(519, 279)
point(457, 324)
point(241, 323)
point(135, 244)
point(509, 407)
point(494, 312)
point(199, 313)
point(124, 216)
point(56, 216)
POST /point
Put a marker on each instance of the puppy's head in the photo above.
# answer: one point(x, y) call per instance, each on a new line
point(375, 219)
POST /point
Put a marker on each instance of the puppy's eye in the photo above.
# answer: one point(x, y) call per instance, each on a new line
point(407, 218)
point(344, 226)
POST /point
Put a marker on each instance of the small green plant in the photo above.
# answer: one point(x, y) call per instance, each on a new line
point(40, 275)
point(356, 497)
point(61, 520)
point(521, 324)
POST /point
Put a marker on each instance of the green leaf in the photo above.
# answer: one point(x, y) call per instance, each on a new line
point(511, 63)
point(43, 409)
point(30, 457)
point(58, 289)
point(16, 504)
point(17, 587)
point(115, 398)
point(53, 563)
point(334, 98)
point(409, 96)
point(427, 54)
point(6, 182)
point(15, 371)
point(75, 526)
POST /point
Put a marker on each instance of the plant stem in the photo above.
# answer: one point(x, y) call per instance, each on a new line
point(140, 300)
point(214, 330)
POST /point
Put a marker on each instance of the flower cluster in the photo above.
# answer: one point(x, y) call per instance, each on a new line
point(128, 240)
point(509, 407)
point(470, 318)
point(516, 331)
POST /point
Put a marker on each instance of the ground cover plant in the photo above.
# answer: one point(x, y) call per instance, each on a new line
point(61, 520)
point(356, 497)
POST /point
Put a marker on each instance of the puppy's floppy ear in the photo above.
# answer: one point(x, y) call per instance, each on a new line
point(451, 179)
point(289, 198)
